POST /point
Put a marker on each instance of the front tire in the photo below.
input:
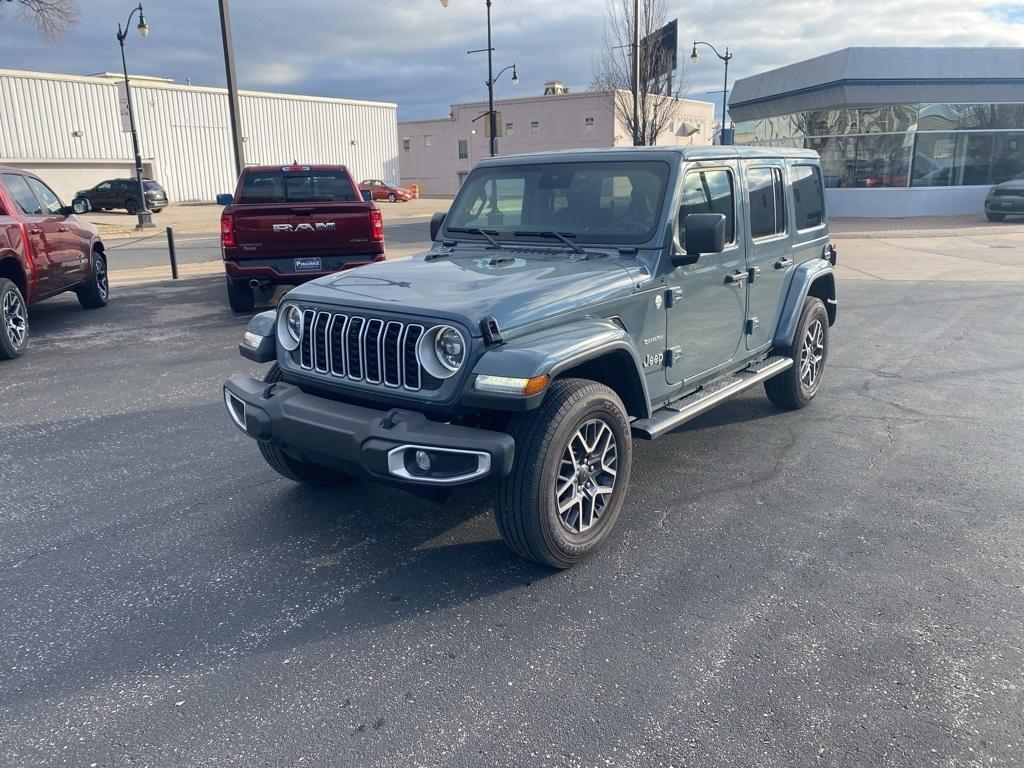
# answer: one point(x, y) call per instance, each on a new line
point(95, 293)
point(392, 198)
point(569, 479)
point(796, 386)
point(995, 216)
point(296, 470)
point(240, 296)
point(13, 321)
point(131, 205)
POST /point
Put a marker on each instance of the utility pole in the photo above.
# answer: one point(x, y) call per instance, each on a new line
point(637, 140)
point(229, 68)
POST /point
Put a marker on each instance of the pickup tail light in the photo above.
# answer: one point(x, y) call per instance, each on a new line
point(376, 227)
point(227, 230)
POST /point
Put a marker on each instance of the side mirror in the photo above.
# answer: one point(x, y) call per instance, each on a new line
point(367, 195)
point(225, 198)
point(81, 205)
point(704, 233)
point(436, 222)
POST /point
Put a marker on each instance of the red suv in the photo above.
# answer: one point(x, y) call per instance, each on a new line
point(45, 249)
point(288, 224)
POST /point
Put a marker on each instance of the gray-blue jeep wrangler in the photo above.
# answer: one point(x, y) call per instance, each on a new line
point(570, 301)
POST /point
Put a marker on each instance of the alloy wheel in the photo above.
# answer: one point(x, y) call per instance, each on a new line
point(812, 355)
point(15, 319)
point(586, 476)
point(100, 273)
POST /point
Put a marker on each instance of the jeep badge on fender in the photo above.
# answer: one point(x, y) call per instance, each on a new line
point(605, 295)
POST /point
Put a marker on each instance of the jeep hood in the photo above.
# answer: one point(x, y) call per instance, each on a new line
point(514, 288)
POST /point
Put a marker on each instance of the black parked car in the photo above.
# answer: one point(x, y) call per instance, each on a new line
point(124, 193)
point(1006, 199)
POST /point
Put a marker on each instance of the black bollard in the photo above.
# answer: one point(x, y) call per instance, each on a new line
point(170, 248)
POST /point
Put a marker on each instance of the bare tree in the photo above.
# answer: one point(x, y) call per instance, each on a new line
point(659, 89)
point(51, 17)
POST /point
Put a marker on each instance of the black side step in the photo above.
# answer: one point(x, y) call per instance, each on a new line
point(692, 406)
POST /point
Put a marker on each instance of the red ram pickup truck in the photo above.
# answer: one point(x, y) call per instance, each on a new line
point(288, 224)
point(45, 249)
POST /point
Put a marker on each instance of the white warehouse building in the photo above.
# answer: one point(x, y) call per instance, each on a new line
point(68, 130)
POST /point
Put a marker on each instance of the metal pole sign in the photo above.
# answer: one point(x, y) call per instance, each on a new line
point(122, 107)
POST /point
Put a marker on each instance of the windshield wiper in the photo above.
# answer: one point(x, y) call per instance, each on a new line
point(488, 234)
point(563, 236)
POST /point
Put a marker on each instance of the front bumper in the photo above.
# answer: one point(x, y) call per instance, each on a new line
point(352, 438)
point(1004, 204)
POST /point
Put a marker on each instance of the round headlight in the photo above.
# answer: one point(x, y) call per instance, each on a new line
point(290, 327)
point(450, 348)
point(442, 351)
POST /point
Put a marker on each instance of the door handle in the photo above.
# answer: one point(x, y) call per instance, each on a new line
point(784, 262)
point(62, 229)
point(737, 277)
point(35, 231)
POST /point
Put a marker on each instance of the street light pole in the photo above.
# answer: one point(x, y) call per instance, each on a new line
point(726, 57)
point(492, 119)
point(145, 215)
point(492, 116)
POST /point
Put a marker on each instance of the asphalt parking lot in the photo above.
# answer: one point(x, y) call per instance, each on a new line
point(842, 586)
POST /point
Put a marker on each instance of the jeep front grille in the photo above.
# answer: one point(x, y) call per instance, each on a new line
point(366, 349)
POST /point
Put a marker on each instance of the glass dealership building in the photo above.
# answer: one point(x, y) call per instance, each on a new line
point(900, 131)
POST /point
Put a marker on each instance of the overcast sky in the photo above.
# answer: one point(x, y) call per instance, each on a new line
point(413, 52)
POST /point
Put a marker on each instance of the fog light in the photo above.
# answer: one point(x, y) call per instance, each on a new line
point(423, 460)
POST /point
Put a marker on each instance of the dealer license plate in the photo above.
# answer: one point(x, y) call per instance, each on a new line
point(308, 264)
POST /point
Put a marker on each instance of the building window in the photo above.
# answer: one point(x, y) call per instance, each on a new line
point(535, 127)
point(767, 202)
point(405, 144)
point(917, 145)
point(463, 149)
point(709, 192)
point(808, 197)
point(508, 129)
point(588, 123)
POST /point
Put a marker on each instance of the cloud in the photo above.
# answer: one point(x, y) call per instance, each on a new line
point(413, 52)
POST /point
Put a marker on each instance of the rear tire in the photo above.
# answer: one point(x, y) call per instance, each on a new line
point(131, 205)
point(577, 442)
point(392, 198)
point(13, 321)
point(296, 470)
point(796, 386)
point(240, 295)
point(995, 216)
point(95, 293)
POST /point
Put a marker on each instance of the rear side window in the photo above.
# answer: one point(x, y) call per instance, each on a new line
point(808, 198)
point(153, 185)
point(709, 192)
point(767, 202)
point(292, 187)
point(22, 194)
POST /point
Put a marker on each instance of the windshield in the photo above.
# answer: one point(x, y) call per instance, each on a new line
point(296, 187)
point(597, 202)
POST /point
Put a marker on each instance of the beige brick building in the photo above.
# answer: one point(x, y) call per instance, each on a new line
point(437, 154)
